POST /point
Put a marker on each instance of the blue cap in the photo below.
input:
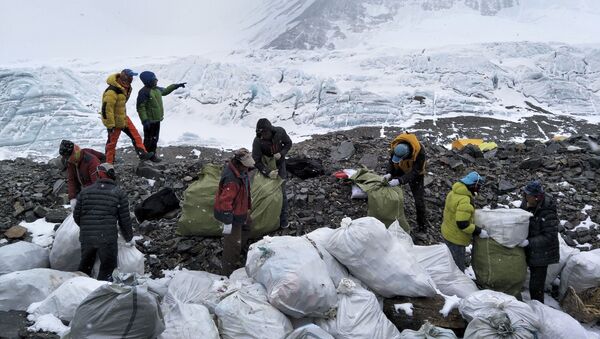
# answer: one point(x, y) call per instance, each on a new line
point(400, 152)
point(534, 187)
point(472, 179)
point(129, 72)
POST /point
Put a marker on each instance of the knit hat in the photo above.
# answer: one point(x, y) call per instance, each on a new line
point(534, 187)
point(263, 125)
point(472, 179)
point(244, 156)
point(400, 152)
point(66, 148)
point(147, 77)
point(106, 170)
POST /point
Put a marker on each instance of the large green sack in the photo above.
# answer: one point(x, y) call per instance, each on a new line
point(497, 267)
point(385, 203)
point(197, 217)
point(267, 200)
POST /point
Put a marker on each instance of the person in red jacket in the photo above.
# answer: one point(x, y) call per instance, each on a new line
point(232, 208)
point(82, 164)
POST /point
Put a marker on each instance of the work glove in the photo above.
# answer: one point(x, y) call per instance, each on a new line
point(227, 228)
point(110, 130)
point(277, 156)
point(73, 202)
point(130, 243)
point(273, 174)
point(146, 123)
point(484, 234)
point(394, 182)
point(524, 243)
point(181, 85)
point(387, 177)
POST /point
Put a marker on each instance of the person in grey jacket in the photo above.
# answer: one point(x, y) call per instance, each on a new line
point(98, 210)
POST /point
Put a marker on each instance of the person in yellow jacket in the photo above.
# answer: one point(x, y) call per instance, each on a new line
point(114, 115)
point(407, 166)
point(458, 228)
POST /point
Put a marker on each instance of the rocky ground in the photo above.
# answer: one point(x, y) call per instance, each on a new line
point(569, 169)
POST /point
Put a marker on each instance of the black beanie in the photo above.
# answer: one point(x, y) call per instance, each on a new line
point(263, 125)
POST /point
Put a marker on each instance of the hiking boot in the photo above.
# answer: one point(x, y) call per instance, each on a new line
point(284, 224)
point(144, 155)
point(155, 158)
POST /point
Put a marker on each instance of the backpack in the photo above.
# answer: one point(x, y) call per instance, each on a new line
point(157, 205)
point(304, 168)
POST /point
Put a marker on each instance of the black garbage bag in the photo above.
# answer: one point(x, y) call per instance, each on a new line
point(157, 205)
point(304, 168)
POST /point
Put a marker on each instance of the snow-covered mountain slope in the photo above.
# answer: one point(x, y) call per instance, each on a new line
point(427, 23)
point(306, 92)
point(40, 30)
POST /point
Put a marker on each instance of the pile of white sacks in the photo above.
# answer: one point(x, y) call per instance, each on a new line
point(326, 284)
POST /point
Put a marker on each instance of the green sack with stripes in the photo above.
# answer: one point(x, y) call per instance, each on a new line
point(497, 267)
point(267, 200)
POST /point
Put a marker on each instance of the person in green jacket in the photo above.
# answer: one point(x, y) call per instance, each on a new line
point(458, 228)
point(150, 109)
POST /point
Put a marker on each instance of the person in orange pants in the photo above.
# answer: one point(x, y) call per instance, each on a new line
point(114, 115)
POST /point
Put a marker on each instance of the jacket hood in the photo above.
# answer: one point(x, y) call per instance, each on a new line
point(112, 81)
point(147, 78)
point(460, 188)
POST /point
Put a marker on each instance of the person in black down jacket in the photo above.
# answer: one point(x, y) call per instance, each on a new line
point(272, 142)
point(99, 208)
point(541, 245)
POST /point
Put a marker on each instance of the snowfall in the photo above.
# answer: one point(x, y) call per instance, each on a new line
point(532, 57)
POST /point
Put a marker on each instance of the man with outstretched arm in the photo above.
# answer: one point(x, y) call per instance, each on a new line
point(150, 109)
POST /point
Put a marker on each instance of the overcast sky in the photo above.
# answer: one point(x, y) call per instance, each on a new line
point(41, 30)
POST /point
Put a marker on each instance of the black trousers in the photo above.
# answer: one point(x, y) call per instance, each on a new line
point(537, 279)
point(458, 254)
point(151, 133)
point(107, 253)
point(417, 188)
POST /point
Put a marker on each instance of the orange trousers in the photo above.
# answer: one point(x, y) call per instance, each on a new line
point(113, 138)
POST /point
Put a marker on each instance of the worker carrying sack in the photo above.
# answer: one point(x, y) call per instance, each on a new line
point(198, 205)
point(497, 267)
point(384, 202)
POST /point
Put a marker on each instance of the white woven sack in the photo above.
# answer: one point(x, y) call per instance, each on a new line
point(582, 271)
point(509, 227)
point(248, 314)
point(295, 277)
point(379, 260)
point(448, 278)
point(358, 315)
